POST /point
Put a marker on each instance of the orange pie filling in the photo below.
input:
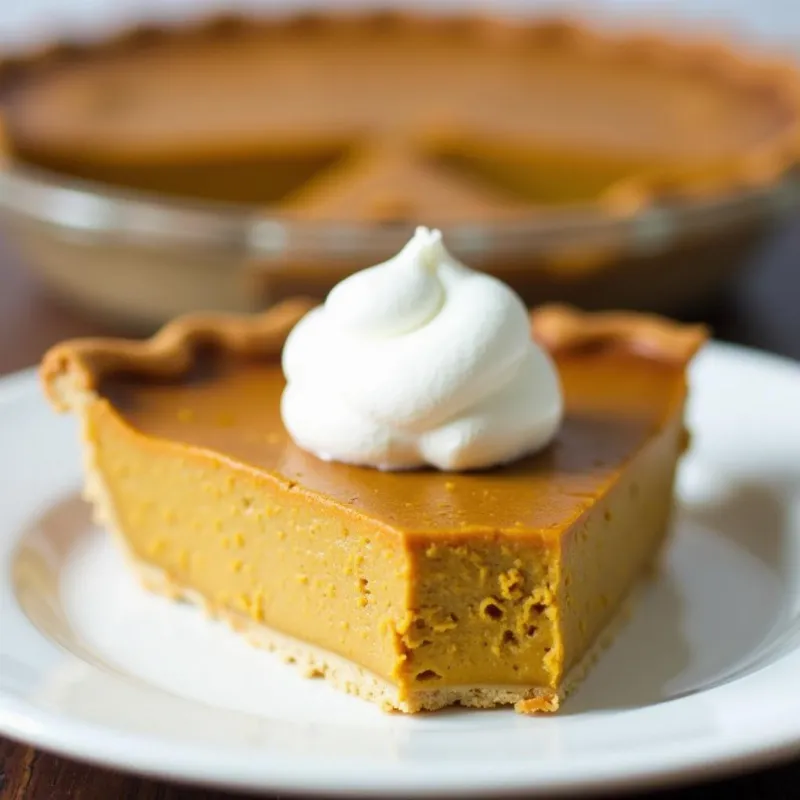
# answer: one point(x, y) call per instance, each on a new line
point(487, 121)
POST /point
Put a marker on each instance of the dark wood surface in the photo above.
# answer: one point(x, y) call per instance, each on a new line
point(761, 309)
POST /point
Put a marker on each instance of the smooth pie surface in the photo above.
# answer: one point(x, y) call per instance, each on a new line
point(484, 120)
point(614, 404)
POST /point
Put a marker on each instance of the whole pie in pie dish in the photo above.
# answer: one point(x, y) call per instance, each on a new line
point(541, 147)
point(390, 116)
point(416, 589)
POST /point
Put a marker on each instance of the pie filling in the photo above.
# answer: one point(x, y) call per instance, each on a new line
point(439, 584)
point(484, 119)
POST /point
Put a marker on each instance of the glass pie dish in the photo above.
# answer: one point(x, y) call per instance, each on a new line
point(139, 260)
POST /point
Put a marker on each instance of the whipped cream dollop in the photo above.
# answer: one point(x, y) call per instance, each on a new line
point(419, 361)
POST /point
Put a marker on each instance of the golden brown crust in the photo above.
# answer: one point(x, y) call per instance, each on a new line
point(170, 352)
point(763, 161)
point(561, 328)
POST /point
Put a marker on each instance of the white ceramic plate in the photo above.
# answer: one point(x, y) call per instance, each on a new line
point(705, 678)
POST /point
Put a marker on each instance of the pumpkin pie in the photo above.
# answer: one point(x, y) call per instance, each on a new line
point(392, 116)
point(416, 590)
point(332, 133)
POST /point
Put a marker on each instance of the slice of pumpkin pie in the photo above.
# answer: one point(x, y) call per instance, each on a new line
point(423, 503)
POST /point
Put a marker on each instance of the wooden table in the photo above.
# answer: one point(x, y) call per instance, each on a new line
point(760, 309)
